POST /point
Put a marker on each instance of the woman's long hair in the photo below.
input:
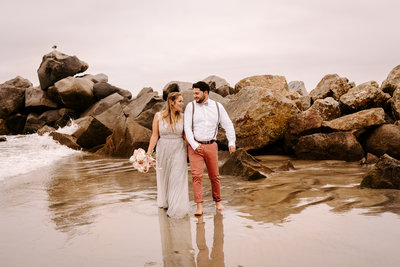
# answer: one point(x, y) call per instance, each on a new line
point(172, 118)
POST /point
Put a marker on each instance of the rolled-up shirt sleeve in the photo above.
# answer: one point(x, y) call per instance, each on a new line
point(228, 126)
point(188, 126)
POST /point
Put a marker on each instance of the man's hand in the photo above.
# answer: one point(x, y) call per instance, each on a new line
point(199, 149)
point(232, 149)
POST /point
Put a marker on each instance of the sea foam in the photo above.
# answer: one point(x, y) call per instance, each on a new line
point(21, 154)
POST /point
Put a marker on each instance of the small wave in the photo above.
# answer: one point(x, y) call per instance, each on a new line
point(21, 154)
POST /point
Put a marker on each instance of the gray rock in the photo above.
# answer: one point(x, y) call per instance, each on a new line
point(356, 121)
point(76, 93)
point(146, 117)
point(12, 96)
point(98, 78)
point(386, 174)
point(383, 140)
point(275, 83)
point(364, 96)
point(331, 85)
point(328, 108)
point(305, 102)
point(392, 82)
point(335, 146)
point(34, 121)
point(299, 87)
point(219, 85)
point(244, 165)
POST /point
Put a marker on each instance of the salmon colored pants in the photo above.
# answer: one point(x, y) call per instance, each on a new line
point(197, 160)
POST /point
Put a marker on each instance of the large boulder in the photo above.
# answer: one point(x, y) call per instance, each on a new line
point(330, 85)
point(395, 104)
point(219, 85)
point(244, 165)
point(260, 116)
point(175, 86)
point(335, 146)
point(383, 140)
point(56, 66)
point(15, 123)
point(386, 174)
point(37, 100)
point(392, 81)
point(364, 96)
point(102, 105)
point(12, 96)
point(357, 121)
point(299, 87)
point(92, 134)
point(142, 103)
point(305, 123)
point(328, 108)
point(127, 136)
point(34, 121)
point(146, 117)
point(3, 127)
point(275, 83)
point(145, 90)
point(104, 89)
point(76, 93)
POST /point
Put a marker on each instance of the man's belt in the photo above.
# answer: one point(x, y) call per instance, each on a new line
point(206, 142)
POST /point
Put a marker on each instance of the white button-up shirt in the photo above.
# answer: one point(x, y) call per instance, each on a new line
point(205, 123)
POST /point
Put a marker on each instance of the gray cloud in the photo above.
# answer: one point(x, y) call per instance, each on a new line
point(149, 43)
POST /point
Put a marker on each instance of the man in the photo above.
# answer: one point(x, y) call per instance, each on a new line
point(202, 117)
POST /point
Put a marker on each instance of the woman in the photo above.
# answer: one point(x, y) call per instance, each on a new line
point(171, 166)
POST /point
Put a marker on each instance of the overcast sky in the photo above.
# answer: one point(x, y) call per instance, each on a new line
point(149, 43)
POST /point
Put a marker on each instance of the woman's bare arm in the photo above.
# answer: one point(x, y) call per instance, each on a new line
point(154, 136)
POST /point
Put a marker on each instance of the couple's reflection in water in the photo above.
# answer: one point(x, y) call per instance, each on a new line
point(177, 246)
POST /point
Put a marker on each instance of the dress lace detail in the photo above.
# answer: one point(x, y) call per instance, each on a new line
point(172, 172)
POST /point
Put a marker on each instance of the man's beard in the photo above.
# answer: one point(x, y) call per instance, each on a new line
point(201, 100)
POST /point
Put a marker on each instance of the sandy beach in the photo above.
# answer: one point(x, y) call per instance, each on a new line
point(87, 210)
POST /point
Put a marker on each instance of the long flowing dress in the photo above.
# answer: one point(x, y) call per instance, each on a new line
point(171, 169)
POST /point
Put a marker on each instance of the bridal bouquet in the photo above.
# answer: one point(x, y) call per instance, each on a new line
point(141, 161)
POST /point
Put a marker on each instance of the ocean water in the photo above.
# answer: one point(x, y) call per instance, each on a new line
point(22, 154)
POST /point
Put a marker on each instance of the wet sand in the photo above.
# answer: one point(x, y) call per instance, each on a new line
point(92, 211)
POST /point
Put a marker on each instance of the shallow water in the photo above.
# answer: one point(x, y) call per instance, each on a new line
point(87, 210)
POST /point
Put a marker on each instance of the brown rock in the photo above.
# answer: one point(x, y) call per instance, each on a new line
point(34, 121)
point(175, 86)
point(299, 87)
point(260, 116)
point(75, 93)
point(15, 123)
point(45, 129)
point(356, 121)
point(98, 78)
point(395, 104)
point(274, 83)
point(328, 108)
point(142, 103)
point(218, 85)
point(56, 66)
point(146, 117)
point(288, 166)
point(392, 82)
point(188, 97)
point(12, 96)
point(93, 134)
point(331, 85)
point(66, 140)
point(383, 140)
point(102, 105)
point(244, 165)
point(3, 127)
point(104, 89)
point(127, 136)
point(369, 159)
point(335, 146)
point(144, 91)
point(386, 174)
point(37, 100)
point(364, 96)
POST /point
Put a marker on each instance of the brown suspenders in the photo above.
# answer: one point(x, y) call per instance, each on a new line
point(216, 128)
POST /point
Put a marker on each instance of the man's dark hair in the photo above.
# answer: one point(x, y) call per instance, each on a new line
point(202, 86)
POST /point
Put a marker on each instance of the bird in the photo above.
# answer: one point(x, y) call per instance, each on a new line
point(54, 47)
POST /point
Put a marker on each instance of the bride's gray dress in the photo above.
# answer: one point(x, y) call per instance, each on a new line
point(172, 172)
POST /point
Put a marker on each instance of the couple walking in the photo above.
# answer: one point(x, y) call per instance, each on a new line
point(199, 127)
